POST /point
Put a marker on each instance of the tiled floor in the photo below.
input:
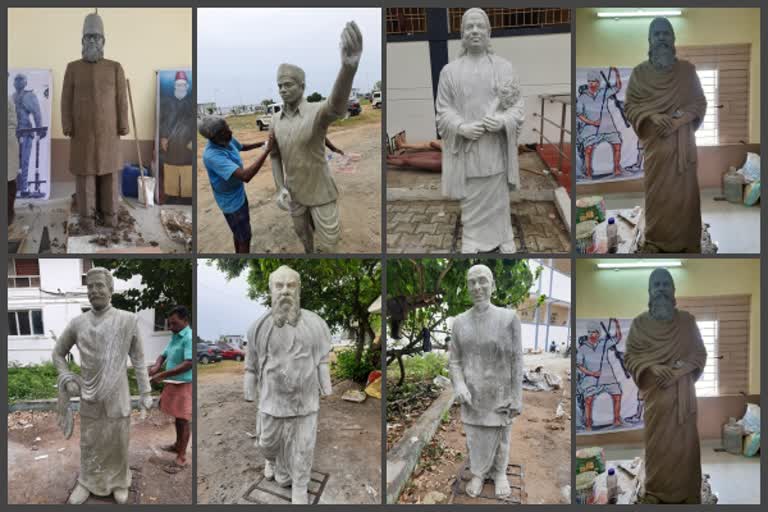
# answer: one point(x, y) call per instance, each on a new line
point(734, 478)
point(735, 228)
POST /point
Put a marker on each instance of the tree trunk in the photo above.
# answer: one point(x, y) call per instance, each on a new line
point(402, 369)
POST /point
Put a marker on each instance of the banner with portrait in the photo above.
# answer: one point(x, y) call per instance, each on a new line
point(175, 134)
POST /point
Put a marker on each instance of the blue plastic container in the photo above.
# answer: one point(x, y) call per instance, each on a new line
point(130, 180)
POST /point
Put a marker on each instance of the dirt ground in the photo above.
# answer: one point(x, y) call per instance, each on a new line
point(541, 443)
point(348, 446)
point(51, 479)
point(359, 195)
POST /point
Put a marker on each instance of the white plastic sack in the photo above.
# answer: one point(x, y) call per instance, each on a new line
point(149, 183)
point(751, 168)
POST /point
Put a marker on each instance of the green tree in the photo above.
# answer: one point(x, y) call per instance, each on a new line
point(315, 97)
point(340, 291)
point(267, 102)
point(424, 293)
point(377, 85)
point(166, 283)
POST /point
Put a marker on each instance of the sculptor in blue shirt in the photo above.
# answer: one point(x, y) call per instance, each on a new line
point(227, 173)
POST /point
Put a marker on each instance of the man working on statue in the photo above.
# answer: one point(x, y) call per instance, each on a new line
point(479, 129)
point(176, 400)
point(26, 106)
point(106, 338)
point(597, 374)
point(286, 367)
point(303, 180)
point(94, 113)
point(596, 125)
point(666, 105)
point(486, 365)
point(666, 356)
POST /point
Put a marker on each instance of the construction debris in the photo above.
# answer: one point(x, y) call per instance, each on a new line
point(541, 380)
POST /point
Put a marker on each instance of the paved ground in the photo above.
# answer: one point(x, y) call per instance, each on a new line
point(540, 443)
point(34, 479)
point(348, 442)
point(272, 228)
point(435, 227)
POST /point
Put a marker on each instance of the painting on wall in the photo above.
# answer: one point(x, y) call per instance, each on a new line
point(607, 148)
point(607, 398)
point(176, 130)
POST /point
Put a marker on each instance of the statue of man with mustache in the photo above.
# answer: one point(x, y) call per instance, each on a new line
point(94, 114)
point(666, 356)
point(286, 370)
point(666, 105)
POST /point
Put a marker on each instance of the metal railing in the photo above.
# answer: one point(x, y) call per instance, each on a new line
point(565, 101)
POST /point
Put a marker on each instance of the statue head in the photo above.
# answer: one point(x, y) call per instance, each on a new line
point(661, 295)
point(285, 289)
point(93, 38)
point(180, 85)
point(100, 285)
point(475, 32)
point(20, 82)
point(661, 44)
point(215, 129)
point(290, 83)
point(178, 319)
point(480, 284)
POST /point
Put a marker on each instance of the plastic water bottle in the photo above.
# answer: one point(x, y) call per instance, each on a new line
point(613, 487)
point(613, 236)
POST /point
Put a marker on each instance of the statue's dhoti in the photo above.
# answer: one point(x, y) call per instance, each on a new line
point(104, 454)
point(485, 215)
point(290, 444)
point(488, 449)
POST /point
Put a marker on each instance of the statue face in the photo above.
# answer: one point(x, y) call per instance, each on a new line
point(661, 284)
point(284, 287)
point(291, 90)
point(180, 89)
point(93, 47)
point(480, 285)
point(475, 33)
point(661, 33)
point(99, 292)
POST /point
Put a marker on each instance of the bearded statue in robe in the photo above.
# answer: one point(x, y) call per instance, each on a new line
point(666, 356)
point(666, 105)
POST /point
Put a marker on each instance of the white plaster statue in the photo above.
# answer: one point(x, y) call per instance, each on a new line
point(106, 338)
point(486, 364)
point(286, 370)
point(303, 180)
point(479, 114)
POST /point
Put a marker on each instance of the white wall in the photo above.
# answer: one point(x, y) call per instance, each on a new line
point(409, 100)
point(59, 276)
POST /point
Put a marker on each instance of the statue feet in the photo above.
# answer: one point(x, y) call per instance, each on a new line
point(79, 495)
point(502, 486)
point(299, 495)
point(121, 495)
point(269, 470)
point(474, 487)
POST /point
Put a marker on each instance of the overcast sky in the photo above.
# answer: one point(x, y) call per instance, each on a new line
point(239, 50)
point(223, 307)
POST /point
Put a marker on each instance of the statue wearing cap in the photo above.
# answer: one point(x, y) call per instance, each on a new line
point(666, 105)
point(94, 114)
point(302, 178)
point(666, 356)
point(177, 130)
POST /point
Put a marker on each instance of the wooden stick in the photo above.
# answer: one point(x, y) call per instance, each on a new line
point(138, 149)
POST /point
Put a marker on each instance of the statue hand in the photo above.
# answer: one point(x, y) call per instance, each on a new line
point(663, 123)
point(663, 374)
point(462, 395)
point(351, 44)
point(283, 199)
point(73, 389)
point(493, 123)
point(471, 131)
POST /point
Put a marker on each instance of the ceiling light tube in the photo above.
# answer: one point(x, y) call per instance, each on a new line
point(619, 265)
point(640, 13)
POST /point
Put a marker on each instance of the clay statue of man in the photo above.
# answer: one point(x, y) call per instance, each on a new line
point(666, 105)
point(486, 364)
point(479, 113)
point(105, 338)
point(286, 370)
point(303, 180)
point(665, 355)
point(94, 113)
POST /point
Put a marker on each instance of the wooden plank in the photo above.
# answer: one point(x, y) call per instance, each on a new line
point(733, 316)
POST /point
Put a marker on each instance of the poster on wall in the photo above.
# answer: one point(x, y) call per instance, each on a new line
point(607, 148)
point(176, 129)
point(607, 398)
point(30, 91)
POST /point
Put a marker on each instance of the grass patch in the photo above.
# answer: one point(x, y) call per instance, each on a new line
point(345, 366)
point(38, 382)
point(419, 368)
point(223, 366)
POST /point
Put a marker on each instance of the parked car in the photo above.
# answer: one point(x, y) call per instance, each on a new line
point(353, 106)
point(376, 99)
point(207, 354)
point(264, 121)
point(230, 352)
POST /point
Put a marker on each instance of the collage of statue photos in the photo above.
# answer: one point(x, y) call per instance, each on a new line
point(375, 256)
